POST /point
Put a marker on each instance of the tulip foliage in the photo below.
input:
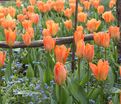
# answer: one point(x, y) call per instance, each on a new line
point(44, 75)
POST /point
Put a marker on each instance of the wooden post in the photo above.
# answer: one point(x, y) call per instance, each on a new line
point(118, 9)
point(73, 45)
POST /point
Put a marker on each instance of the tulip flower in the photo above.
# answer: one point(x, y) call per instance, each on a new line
point(52, 26)
point(20, 17)
point(34, 18)
point(80, 47)
point(44, 7)
point(61, 53)
point(32, 2)
point(114, 32)
point(93, 24)
point(18, 3)
point(26, 24)
point(108, 16)
point(95, 3)
point(58, 6)
point(30, 8)
point(79, 29)
point(82, 17)
point(30, 31)
point(46, 32)
point(60, 73)
point(68, 24)
point(78, 34)
point(80, 9)
point(10, 37)
point(8, 24)
point(100, 70)
point(49, 43)
point(102, 39)
point(89, 52)
point(87, 5)
point(120, 70)
point(12, 11)
point(68, 12)
point(27, 39)
point(100, 9)
point(2, 58)
point(112, 3)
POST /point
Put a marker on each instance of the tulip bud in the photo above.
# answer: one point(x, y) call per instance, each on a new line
point(60, 73)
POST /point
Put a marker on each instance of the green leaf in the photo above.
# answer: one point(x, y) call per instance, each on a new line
point(111, 77)
point(115, 99)
point(94, 93)
point(77, 92)
point(30, 72)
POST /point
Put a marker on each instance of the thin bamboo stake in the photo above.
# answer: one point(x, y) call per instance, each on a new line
point(39, 43)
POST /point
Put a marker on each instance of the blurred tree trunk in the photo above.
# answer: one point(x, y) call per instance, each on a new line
point(118, 9)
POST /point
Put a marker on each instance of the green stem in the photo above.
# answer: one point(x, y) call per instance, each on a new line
point(59, 94)
point(79, 60)
point(105, 54)
point(10, 60)
point(88, 76)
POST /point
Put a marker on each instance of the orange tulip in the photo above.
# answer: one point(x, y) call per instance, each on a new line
point(120, 70)
point(112, 3)
point(105, 40)
point(4, 10)
point(114, 32)
point(61, 53)
point(20, 17)
point(49, 43)
point(72, 1)
point(93, 24)
point(34, 18)
point(52, 26)
point(80, 47)
point(108, 16)
point(24, 10)
point(10, 37)
point(101, 70)
point(72, 7)
point(18, 3)
point(43, 7)
point(12, 11)
point(100, 9)
point(60, 73)
point(82, 17)
point(30, 8)
point(68, 24)
point(95, 3)
point(30, 31)
point(2, 58)
point(46, 32)
point(32, 2)
point(8, 24)
point(80, 9)
point(78, 35)
point(79, 29)
point(102, 39)
point(26, 24)
point(58, 6)
point(68, 12)
point(86, 5)
point(89, 52)
point(97, 38)
point(27, 39)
